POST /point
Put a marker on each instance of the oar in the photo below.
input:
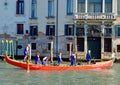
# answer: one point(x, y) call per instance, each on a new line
point(29, 58)
point(28, 67)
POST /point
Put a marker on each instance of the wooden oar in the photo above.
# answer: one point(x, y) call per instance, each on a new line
point(28, 68)
point(29, 59)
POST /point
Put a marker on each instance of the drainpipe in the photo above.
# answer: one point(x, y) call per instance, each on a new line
point(56, 28)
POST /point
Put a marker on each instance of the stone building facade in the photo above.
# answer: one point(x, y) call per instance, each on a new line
point(66, 26)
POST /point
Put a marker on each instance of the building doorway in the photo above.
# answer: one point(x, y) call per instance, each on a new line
point(94, 44)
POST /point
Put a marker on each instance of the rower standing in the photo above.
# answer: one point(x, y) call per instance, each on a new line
point(88, 57)
point(26, 53)
point(73, 60)
point(59, 58)
point(37, 58)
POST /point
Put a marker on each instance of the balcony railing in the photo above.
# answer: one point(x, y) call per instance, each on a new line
point(94, 16)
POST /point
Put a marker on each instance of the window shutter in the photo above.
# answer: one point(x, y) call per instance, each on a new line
point(116, 31)
point(37, 30)
point(47, 30)
point(31, 31)
point(23, 8)
point(73, 30)
point(16, 7)
point(66, 30)
point(53, 30)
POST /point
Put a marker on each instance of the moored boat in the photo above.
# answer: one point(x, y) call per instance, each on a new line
point(98, 65)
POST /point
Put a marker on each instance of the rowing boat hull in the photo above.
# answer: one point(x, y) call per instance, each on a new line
point(99, 65)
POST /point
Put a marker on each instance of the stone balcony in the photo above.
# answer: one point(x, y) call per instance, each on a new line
point(94, 16)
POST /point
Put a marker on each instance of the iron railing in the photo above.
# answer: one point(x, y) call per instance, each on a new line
point(94, 16)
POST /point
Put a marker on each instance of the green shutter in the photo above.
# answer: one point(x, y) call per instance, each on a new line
point(116, 30)
point(47, 30)
point(66, 30)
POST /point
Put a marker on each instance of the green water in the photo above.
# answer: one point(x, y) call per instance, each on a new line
point(10, 75)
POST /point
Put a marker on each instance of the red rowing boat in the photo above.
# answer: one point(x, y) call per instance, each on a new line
point(98, 65)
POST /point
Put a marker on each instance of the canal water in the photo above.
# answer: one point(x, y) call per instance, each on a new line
point(10, 75)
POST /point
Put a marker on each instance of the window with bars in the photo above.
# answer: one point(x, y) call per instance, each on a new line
point(69, 30)
point(34, 9)
point(108, 32)
point(118, 7)
point(20, 7)
point(50, 30)
point(33, 30)
point(80, 44)
point(50, 8)
point(107, 45)
point(108, 6)
point(118, 48)
point(117, 31)
point(69, 7)
point(81, 6)
point(33, 46)
point(95, 6)
point(20, 28)
point(49, 46)
point(68, 47)
point(80, 31)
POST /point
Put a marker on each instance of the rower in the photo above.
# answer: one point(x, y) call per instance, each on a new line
point(59, 58)
point(27, 53)
point(73, 59)
point(45, 59)
point(37, 58)
point(88, 57)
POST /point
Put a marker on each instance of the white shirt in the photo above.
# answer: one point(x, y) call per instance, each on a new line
point(45, 58)
point(113, 55)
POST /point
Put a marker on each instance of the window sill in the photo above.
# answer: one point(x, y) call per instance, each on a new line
point(50, 17)
point(20, 34)
point(19, 15)
point(33, 18)
point(69, 14)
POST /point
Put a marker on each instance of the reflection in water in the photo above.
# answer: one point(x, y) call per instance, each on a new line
point(104, 71)
point(10, 75)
